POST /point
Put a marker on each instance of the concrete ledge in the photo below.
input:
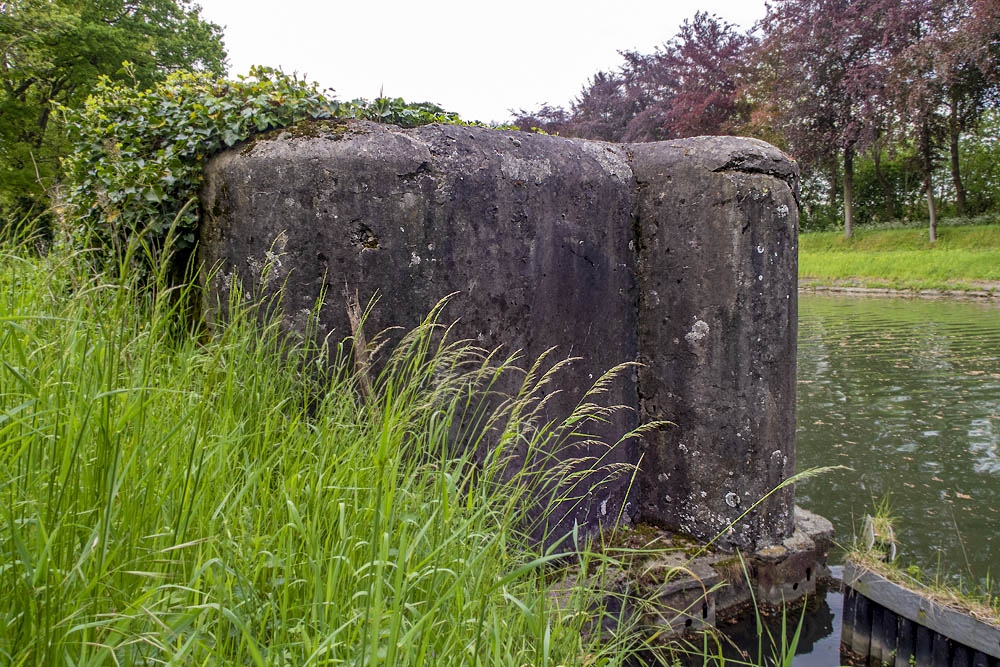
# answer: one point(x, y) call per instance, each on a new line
point(910, 293)
point(714, 587)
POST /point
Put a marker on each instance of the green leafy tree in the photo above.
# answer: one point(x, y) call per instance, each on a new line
point(52, 53)
point(980, 158)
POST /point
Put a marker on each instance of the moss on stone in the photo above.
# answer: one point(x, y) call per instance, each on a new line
point(328, 128)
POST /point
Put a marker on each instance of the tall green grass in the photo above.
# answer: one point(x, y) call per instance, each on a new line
point(169, 497)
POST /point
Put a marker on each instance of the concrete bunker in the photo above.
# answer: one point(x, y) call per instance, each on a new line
point(680, 255)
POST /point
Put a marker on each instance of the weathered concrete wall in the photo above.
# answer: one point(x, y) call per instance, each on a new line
point(526, 227)
point(613, 253)
point(717, 333)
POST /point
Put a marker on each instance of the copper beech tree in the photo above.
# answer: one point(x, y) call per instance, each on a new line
point(831, 81)
point(689, 86)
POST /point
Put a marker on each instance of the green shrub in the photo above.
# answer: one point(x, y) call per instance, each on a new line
point(137, 161)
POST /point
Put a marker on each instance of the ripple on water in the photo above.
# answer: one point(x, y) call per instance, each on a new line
point(907, 393)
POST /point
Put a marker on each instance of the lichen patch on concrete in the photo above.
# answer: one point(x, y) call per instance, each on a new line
point(698, 331)
point(528, 170)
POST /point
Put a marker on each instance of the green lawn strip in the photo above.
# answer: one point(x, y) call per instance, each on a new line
point(967, 237)
point(964, 258)
point(904, 269)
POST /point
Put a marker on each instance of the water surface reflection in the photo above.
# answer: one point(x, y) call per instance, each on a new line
point(906, 392)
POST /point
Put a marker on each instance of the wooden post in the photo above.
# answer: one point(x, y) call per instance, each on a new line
point(877, 647)
point(847, 629)
point(940, 650)
point(861, 642)
point(889, 624)
point(925, 640)
point(905, 642)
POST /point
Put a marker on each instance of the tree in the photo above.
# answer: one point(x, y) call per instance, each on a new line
point(832, 58)
point(967, 52)
point(52, 52)
point(981, 157)
point(602, 111)
point(689, 86)
point(706, 61)
point(938, 90)
point(547, 118)
point(919, 87)
point(982, 26)
point(646, 87)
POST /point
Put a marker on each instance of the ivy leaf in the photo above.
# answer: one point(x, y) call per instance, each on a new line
point(154, 194)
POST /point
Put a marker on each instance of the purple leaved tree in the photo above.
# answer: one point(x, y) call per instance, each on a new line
point(942, 80)
point(708, 62)
point(831, 60)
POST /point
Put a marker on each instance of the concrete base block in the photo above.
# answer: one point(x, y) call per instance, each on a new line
point(680, 593)
point(788, 571)
point(679, 255)
point(674, 585)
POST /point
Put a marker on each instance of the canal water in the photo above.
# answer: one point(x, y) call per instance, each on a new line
point(905, 392)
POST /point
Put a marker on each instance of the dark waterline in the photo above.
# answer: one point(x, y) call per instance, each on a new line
point(819, 639)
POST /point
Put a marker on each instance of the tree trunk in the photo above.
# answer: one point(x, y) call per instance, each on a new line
point(956, 176)
point(887, 193)
point(43, 124)
point(928, 168)
point(55, 89)
point(931, 210)
point(848, 192)
point(834, 189)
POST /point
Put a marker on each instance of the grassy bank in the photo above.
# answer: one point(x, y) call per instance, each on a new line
point(169, 497)
point(963, 258)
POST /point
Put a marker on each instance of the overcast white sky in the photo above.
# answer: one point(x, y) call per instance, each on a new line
point(477, 59)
